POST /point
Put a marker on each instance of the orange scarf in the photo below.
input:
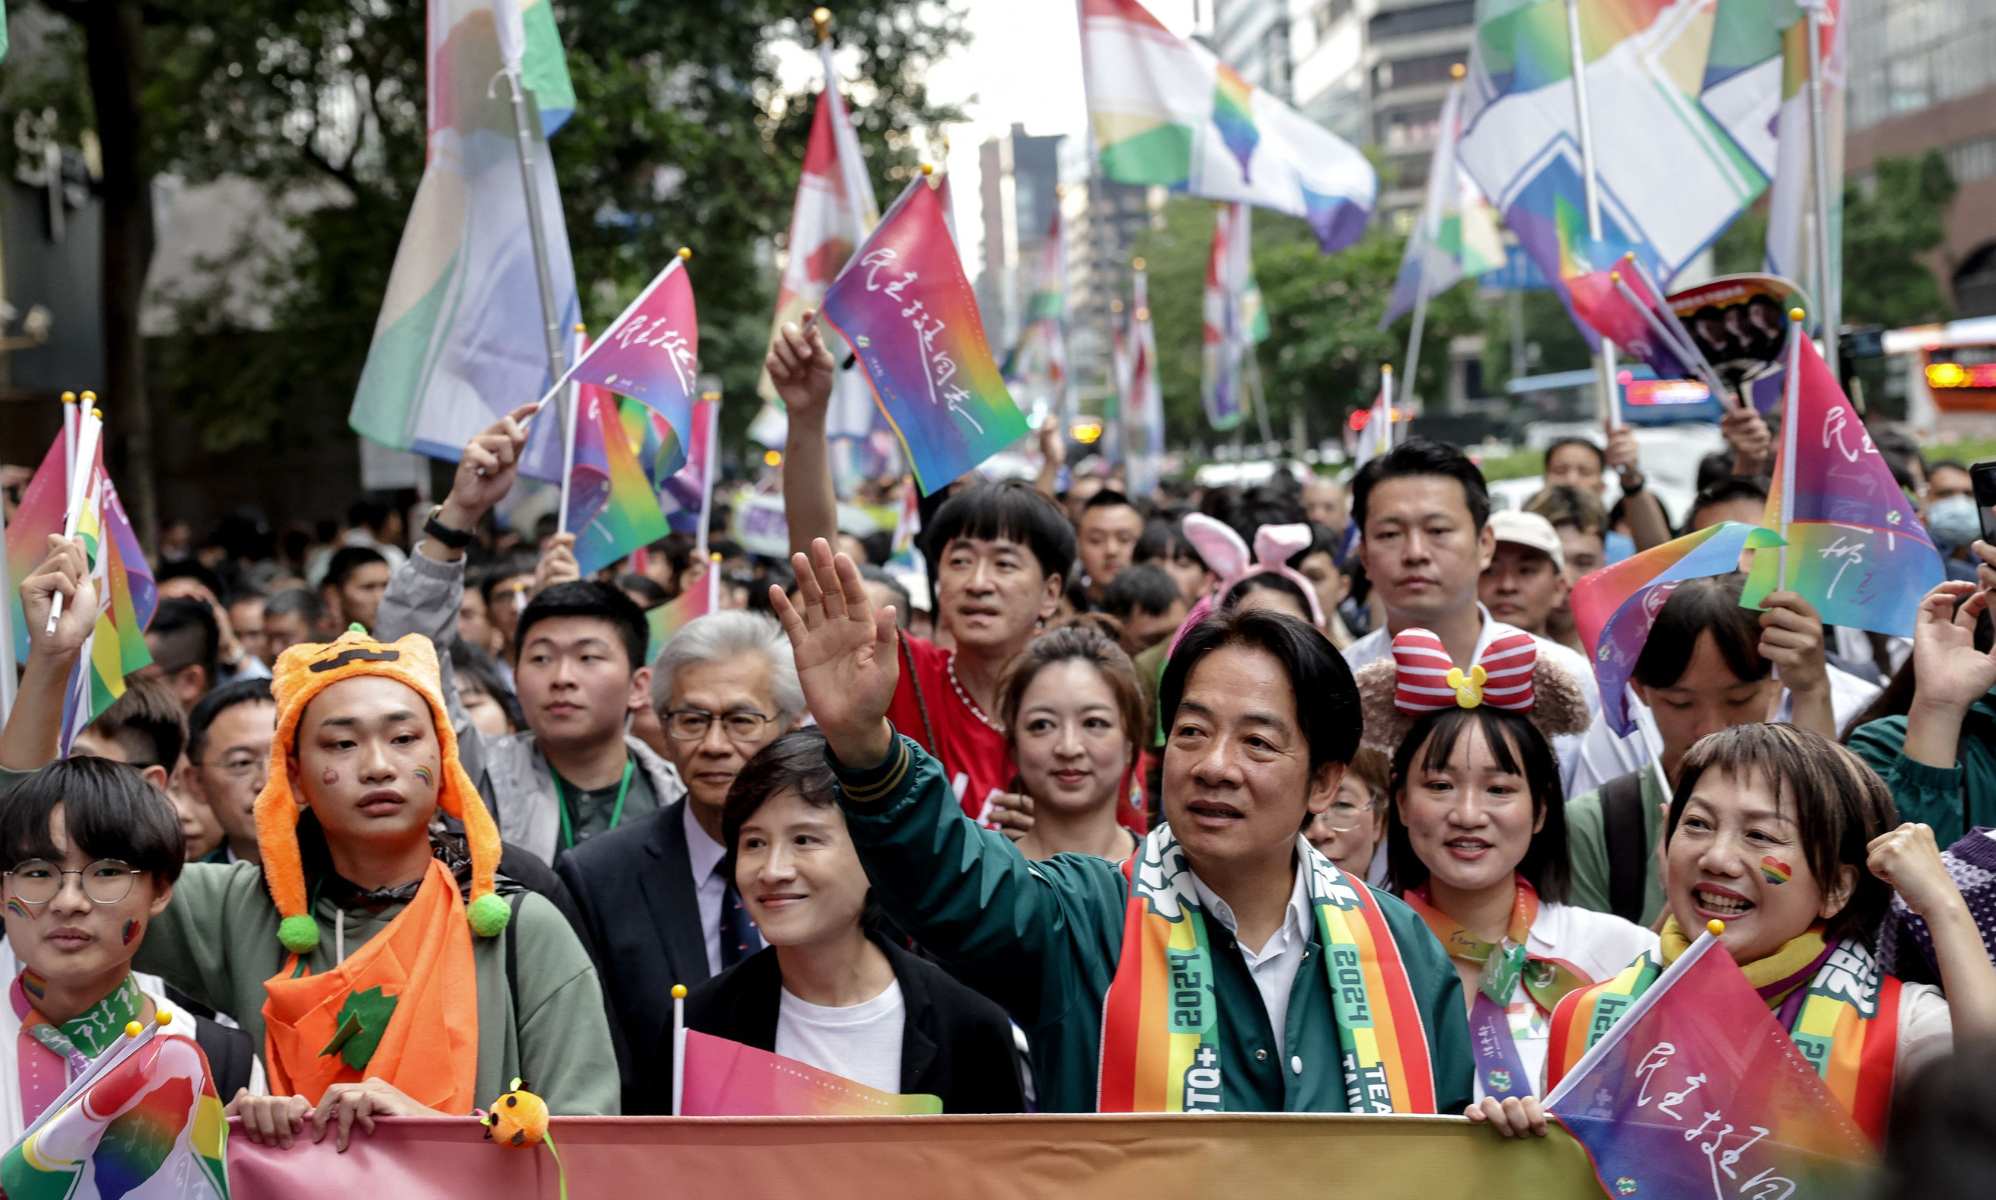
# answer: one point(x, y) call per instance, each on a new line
point(411, 992)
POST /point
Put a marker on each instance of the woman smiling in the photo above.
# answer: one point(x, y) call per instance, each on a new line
point(1073, 711)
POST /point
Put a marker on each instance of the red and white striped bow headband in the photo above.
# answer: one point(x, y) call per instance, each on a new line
point(1425, 680)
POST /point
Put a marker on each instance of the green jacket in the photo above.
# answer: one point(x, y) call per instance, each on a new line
point(217, 942)
point(1042, 939)
point(1952, 799)
point(1587, 850)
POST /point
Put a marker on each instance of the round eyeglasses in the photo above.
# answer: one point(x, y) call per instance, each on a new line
point(1343, 816)
point(106, 881)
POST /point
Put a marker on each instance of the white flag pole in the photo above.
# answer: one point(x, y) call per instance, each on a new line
point(1605, 360)
point(570, 418)
point(1790, 405)
point(712, 398)
point(1828, 289)
point(89, 430)
point(511, 52)
point(678, 1045)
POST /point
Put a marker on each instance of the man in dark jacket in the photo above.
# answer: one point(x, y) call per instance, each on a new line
point(828, 991)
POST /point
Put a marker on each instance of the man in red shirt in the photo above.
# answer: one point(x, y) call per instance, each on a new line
point(1004, 553)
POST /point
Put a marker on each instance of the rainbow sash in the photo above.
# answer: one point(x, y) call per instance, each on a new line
point(1160, 1050)
point(1845, 1021)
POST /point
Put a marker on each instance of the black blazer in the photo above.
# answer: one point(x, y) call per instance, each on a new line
point(955, 1044)
point(634, 890)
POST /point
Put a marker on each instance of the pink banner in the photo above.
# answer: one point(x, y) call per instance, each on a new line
point(1275, 1157)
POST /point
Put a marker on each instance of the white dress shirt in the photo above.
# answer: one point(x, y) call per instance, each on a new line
point(703, 854)
point(1273, 965)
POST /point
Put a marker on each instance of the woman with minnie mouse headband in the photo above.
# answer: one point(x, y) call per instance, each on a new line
point(1476, 838)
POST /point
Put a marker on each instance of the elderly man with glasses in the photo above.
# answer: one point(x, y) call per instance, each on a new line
point(656, 900)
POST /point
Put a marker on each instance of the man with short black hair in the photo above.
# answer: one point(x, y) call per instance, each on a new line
point(578, 666)
point(1002, 553)
point(1261, 721)
point(228, 758)
point(1423, 514)
point(1108, 531)
point(185, 643)
point(1734, 498)
point(356, 576)
point(1147, 603)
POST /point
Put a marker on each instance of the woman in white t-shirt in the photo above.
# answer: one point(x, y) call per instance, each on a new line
point(829, 989)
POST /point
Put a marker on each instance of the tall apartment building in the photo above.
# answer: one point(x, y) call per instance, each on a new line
point(1019, 175)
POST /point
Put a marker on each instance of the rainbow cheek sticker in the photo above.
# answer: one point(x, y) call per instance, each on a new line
point(18, 909)
point(1775, 871)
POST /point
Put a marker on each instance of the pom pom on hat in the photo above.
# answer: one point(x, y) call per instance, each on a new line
point(299, 933)
point(489, 915)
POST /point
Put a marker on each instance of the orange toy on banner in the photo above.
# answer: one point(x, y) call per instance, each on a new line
point(1274, 1157)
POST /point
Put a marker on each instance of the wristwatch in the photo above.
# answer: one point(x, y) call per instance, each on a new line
point(444, 535)
point(1632, 483)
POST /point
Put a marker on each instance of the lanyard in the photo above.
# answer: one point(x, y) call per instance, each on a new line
point(616, 811)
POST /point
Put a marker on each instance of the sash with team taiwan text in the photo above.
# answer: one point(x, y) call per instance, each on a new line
point(1160, 1020)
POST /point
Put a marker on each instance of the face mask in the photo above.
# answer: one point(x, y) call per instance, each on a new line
point(1954, 520)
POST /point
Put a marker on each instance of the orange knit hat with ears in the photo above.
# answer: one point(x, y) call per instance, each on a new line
point(302, 672)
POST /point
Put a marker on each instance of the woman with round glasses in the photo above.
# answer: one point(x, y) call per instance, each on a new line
point(1351, 831)
point(91, 853)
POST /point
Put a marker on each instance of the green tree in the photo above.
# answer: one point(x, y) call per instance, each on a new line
point(1325, 346)
point(682, 136)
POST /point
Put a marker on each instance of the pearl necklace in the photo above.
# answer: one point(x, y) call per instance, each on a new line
point(968, 703)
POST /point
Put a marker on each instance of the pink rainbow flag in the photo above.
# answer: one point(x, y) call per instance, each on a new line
point(651, 352)
point(906, 307)
point(728, 1079)
point(612, 508)
point(1856, 549)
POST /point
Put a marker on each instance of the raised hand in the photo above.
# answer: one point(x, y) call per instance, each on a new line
point(1948, 671)
point(845, 654)
point(801, 369)
point(557, 563)
point(1791, 637)
point(1909, 859)
point(64, 572)
point(1748, 437)
point(1623, 455)
point(486, 472)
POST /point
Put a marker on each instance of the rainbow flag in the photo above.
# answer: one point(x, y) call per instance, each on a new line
point(728, 1079)
point(1235, 319)
point(142, 1120)
point(1167, 112)
point(1791, 201)
point(1673, 1102)
point(651, 352)
point(1456, 234)
point(461, 336)
point(1856, 549)
point(689, 606)
point(908, 311)
point(611, 506)
point(39, 514)
point(1039, 356)
point(1614, 608)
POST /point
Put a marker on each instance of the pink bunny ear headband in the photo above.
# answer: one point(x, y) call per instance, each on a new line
point(1227, 556)
point(1508, 674)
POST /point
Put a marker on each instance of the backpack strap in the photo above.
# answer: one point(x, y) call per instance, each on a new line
point(1628, 856)
point(513, 953)
point(230, 1056)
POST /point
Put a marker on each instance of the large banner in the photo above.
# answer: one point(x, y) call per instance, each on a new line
point(1277, 1157)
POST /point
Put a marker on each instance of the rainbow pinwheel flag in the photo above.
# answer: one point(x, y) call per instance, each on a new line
point(908, 311)
point(1614, 608)
point(1165, 111)
point(461, 338)
point(143, 1120)
point(1856, 550)
point(1235, 318)
point(703, 597)
point(1695, 1090)
point(728, 1079)
point(611, 507)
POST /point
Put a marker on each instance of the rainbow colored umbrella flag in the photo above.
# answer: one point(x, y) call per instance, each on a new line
point(1166, 111)
point(1614, 608)
point(908, 311)
point(728, 1079)
point(623, 512)
point(1856, 549)
point(1695, 1090)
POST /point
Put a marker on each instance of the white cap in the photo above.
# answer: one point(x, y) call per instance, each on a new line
point(1528, 529)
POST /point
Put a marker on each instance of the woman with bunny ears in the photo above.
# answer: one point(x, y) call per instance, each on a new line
point(1477, 838)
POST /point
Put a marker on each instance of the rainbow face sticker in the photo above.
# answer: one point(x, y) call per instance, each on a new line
point(1775, 871)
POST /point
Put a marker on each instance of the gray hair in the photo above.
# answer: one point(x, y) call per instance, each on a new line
point(721, 636)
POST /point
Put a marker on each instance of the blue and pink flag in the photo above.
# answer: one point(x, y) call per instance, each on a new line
point(906, 308)
point(1697, 1091)
point(651, 352)
point(728, 1079)
point(1855, 549)
point(1614, 608)
point(611, 506)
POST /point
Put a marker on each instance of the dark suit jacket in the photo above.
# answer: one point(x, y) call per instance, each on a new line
point(955, 1044)
point(634, 890)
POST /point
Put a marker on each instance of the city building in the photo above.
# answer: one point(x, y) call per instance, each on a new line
point(1019, 176)
point(1922, 76)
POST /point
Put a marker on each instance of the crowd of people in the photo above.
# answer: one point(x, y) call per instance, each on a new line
point(1296, 797)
